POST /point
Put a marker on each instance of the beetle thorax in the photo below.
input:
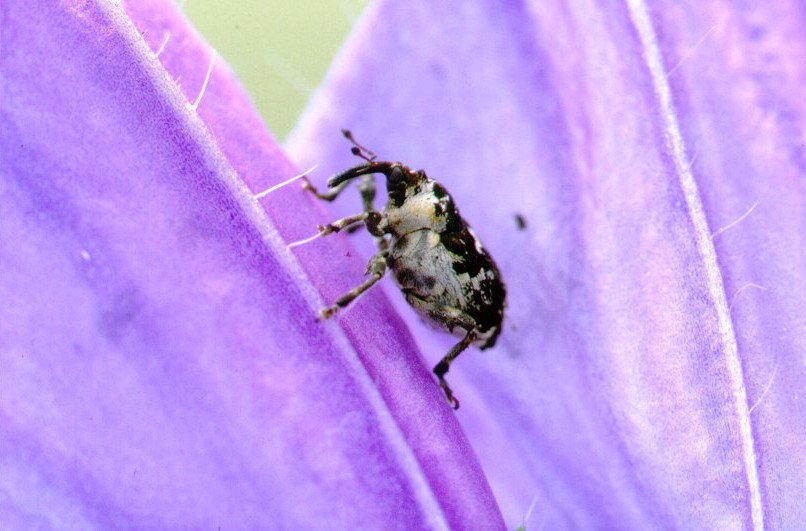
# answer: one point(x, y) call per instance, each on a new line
point(421, 209)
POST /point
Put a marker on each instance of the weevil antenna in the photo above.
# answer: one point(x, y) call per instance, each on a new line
point(359, 150)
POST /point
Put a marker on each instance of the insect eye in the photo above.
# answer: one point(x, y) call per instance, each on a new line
point(396, 177)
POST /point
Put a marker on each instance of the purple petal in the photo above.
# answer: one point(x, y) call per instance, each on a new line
point(652, 357)
point(161, 361)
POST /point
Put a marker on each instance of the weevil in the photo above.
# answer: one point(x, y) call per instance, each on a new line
point(436, 259)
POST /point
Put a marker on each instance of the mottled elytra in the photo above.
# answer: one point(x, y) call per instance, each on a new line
point(436, 259)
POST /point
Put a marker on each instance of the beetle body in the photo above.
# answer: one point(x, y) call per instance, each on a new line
point(436, 259)
point(440, 265)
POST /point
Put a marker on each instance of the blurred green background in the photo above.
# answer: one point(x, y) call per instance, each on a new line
point(281, 50)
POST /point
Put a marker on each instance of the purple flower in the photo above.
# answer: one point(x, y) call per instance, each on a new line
point(160, 360)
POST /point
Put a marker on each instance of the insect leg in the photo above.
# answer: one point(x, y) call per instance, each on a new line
point(367, 188)
point(442, 367)
point(372, 221)
point(339, 224)
point(376, 269)
point(330, 195)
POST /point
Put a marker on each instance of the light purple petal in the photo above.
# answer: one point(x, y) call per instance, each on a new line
point(161, 364)
point(652, 360)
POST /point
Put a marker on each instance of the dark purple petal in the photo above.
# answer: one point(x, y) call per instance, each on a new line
point(652, 362)
point(160, 360)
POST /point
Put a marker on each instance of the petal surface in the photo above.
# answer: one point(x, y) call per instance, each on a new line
point(652, 357)
point(162, 365)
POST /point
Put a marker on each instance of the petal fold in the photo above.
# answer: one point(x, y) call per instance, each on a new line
point(161, 360)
